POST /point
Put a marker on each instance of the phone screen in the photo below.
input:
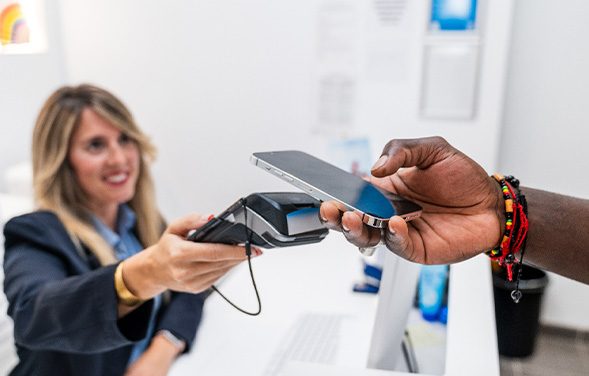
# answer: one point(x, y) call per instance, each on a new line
point(330, 182)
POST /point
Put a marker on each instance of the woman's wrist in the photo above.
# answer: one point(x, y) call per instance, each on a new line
point(125, 296)
point(140, 275)
point(176, 342)
point(165, 346)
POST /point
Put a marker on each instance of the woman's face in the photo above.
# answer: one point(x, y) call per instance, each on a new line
point(105, 161)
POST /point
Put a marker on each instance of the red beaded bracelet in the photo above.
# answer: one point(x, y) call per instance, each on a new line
point(516, 230)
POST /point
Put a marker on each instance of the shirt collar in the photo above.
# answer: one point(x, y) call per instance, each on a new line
point(126, 220)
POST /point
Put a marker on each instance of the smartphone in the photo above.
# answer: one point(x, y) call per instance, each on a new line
point(327, 182)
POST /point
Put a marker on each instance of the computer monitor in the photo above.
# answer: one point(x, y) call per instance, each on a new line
point(395, 299)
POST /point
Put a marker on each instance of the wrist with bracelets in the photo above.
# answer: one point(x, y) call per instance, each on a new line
point(515, 233)
point(124, 295)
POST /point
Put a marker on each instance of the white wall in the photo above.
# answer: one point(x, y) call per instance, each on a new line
point(392, 110)
point(546, 123)
point(214, 81)
point(25, 82)
point(210, 81)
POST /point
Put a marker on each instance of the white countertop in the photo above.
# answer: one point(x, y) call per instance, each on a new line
point(318, 278)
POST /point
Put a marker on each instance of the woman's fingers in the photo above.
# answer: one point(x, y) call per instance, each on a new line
point(198, 264)
point(203, 281)
point(212, 252)
point(182, 226)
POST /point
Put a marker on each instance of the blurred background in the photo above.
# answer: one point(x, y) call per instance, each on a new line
point(213, 81)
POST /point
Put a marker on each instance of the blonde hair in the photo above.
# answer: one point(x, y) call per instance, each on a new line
point(54, 179)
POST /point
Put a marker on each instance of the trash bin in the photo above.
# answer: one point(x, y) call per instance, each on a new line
point(517, 323)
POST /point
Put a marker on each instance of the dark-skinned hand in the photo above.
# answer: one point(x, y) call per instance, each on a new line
point(462, 206)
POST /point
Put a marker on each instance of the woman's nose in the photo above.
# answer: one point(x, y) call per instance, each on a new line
point(116, 155)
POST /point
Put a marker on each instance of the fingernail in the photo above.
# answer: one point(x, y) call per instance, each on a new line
point(322, 220)
point(391, 230)
point(345, 228)
point(258, 252)
point(210, 217)
point(381, 161)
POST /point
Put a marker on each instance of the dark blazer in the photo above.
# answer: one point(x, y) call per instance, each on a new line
point(64, 304)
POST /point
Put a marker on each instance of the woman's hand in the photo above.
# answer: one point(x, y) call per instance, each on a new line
point(180, 265)
point(156, 360)
point(462, 206)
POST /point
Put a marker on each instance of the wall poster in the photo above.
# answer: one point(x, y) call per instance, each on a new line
point(22, 27)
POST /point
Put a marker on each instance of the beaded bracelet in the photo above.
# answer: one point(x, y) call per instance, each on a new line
point(515, 233)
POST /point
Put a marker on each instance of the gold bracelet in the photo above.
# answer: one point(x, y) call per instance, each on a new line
point(125, 296)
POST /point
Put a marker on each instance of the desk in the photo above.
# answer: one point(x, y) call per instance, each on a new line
point(319, 278)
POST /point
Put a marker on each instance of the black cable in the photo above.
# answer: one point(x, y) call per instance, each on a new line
point(248, 252)
point(520, 198)
point(516, 294)
point(409, 353)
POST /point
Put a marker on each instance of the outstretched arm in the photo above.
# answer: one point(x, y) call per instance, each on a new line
point(463, 212)
point(558, 238)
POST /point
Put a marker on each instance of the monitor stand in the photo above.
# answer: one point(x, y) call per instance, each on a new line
point(395, 300)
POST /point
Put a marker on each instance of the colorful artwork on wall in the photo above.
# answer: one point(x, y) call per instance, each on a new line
point(22, 26)
point(13, 25)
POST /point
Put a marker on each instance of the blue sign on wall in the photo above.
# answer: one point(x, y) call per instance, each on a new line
point(453, 15)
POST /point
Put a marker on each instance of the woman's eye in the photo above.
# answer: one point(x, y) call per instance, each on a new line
point(125, 139)
point(95, 145)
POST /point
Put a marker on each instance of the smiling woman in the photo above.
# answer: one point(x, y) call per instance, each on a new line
point(106, 164)
point(94, 288)
point(67, 140)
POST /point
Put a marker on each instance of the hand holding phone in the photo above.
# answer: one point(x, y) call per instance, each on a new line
point(327, 182)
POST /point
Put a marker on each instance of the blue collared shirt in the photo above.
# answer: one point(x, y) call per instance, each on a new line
point(125, 244)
